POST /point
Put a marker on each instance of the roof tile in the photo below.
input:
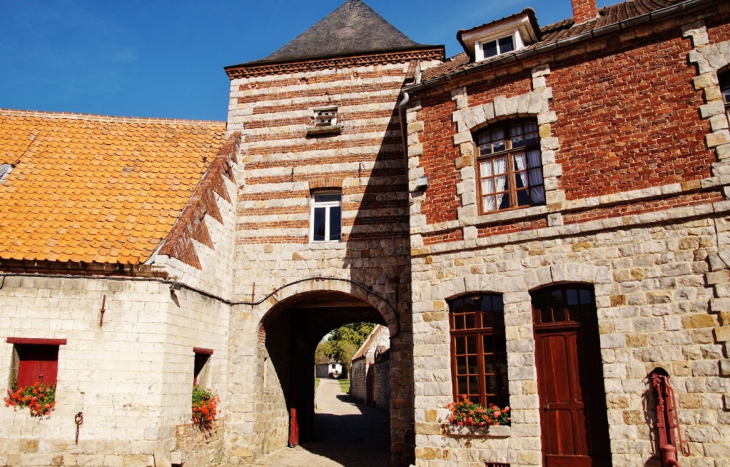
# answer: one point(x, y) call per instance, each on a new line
point(82, 183)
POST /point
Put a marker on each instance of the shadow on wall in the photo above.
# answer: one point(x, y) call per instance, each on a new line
point(378, 255)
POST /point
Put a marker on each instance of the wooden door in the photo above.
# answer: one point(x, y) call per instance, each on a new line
point(570, 378)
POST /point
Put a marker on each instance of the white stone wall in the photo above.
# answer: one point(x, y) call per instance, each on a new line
point(659, 290)
point(216, 274)
point(131, 378)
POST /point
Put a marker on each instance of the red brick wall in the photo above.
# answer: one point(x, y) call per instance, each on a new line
point(284, 143)
point(718, 28)
point(439, 152)
point(628, 118)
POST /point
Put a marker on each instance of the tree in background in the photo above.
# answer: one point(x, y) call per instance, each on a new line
point(342, 343)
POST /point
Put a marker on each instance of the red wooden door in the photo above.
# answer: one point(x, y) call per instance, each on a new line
point(570, 378)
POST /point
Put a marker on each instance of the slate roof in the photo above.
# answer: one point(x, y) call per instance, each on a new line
point(561, 30)
point(352, 29)
point(89, 188)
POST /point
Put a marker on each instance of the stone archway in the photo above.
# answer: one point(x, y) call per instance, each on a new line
point(290, 325)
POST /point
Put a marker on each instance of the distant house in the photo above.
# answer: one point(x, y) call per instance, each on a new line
point(370, 370)
point(328, 368)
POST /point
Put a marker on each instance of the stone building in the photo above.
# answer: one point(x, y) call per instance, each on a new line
point(370, 371)
point(547, 208)
point(569, 234)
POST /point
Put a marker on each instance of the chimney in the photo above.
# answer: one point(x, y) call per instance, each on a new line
point(584, 10)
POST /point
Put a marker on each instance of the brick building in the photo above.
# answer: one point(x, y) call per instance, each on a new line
point(547, 209)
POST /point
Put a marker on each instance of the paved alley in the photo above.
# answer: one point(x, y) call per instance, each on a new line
point(348, 435)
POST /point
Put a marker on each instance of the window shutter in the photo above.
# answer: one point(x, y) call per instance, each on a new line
point(37, 363)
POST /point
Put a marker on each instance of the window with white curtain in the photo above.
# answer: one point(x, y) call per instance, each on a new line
point(510, 166)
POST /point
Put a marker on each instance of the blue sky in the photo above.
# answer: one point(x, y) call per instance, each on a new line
point(159, 58)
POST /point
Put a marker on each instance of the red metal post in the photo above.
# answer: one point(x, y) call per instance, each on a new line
point(667, 423)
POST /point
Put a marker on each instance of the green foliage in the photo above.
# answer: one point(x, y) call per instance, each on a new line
point(205, 407)
point(344, 385)
point(38, 397)
point(343, 342)
point(316, 383)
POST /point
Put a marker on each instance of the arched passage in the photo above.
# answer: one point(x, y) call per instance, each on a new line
point(292, 330)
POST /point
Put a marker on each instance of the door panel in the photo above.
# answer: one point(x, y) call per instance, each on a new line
point(570, 379)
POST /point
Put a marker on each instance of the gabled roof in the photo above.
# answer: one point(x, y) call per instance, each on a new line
point(607, 17)
point(368, 342)
point(352, 29)
point(96, 189)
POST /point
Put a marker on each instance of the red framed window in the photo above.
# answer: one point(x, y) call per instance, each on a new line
point(478, 349)
point(36, 363)
point(35, 360)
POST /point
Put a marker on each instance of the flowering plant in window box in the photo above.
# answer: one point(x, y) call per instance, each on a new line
point(467, 413)
point(205, 407)
point(38, 397)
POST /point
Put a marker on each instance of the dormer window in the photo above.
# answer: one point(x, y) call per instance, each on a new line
point(500, 37)
point(499, 46)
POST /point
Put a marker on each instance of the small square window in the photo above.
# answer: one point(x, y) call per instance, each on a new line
point(326, 221)
point(325, 117)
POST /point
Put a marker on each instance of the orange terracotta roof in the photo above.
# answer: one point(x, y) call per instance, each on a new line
point(89, 188)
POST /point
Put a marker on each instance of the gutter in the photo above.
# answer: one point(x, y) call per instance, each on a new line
point(568, 41)
point(403, 123)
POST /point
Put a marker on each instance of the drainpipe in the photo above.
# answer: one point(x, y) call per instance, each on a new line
point(403, 123)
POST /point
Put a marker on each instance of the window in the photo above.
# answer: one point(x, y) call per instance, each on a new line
point(562, 306)
point(5, 170)
point(200, 367)
point(498, 47)
point(725, 89)
point(326, 217)
point(478, 349)
point(510, 166)
point(35, 360)
point(325, 117)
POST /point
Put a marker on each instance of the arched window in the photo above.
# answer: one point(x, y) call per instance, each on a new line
point(725, 88)
point(478, 349)
point(510, 166)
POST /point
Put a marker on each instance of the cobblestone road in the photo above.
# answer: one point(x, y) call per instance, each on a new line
point(348, 435)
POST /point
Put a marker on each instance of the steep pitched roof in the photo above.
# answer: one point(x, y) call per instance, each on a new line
point(564, 29)
point(88, 188)
point(352, 29)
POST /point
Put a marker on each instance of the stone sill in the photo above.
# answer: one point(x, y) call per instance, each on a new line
point(325, 246)
point(497, 431)
point(324, 130)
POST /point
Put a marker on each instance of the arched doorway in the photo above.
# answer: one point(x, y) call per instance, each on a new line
point(570, 377)
point(291, 331)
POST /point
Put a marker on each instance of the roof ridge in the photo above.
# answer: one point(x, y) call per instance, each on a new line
point(107, 118)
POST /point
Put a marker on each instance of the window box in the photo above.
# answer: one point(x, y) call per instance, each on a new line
point(495, 431)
